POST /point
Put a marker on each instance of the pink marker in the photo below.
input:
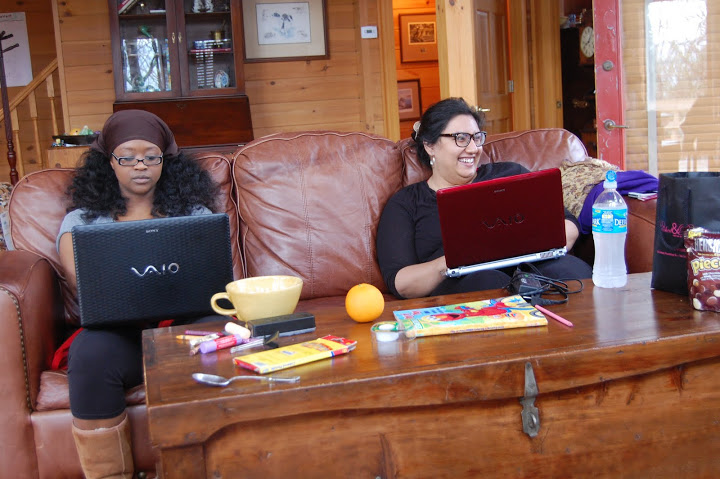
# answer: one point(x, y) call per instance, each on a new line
point(220, 343)
point(554, 316)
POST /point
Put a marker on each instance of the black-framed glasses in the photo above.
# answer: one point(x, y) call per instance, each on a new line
point(463, 139)
point(133, 160)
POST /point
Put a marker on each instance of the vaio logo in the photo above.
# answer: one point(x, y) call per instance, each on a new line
point(509, 221)
point(171, 268)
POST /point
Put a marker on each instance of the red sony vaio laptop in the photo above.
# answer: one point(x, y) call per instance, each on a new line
point(502, 222)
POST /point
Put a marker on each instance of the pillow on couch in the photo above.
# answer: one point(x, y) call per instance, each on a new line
point(310, 203)
point(5, 189)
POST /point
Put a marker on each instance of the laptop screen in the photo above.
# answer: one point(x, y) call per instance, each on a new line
point(165, 268)
point(502, 218)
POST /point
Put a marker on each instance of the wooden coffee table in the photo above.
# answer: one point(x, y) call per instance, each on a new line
point(631, 390)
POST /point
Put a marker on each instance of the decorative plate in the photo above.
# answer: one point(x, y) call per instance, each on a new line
point(222, 80)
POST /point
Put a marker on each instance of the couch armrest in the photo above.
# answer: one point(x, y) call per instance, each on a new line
point(641, 235)
point(31, 308)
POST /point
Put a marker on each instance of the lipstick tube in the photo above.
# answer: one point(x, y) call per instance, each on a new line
point(220, 343)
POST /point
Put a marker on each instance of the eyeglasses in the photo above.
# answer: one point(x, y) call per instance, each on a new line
point(132, 160)
point(463, 139)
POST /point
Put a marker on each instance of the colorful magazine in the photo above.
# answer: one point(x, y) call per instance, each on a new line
point(501, 313)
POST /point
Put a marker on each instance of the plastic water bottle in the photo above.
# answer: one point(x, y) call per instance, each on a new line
point(609, 227)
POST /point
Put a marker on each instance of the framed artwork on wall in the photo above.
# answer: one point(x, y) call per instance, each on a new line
point(409, 101)
point(285, 31)
point(418, 38)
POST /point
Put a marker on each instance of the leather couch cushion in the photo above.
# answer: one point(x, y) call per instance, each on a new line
point(54, 392)
point(535, 149)
point(309, 205)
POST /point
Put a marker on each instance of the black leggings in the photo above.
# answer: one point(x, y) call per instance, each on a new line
point(565, 267)
point(102, 364)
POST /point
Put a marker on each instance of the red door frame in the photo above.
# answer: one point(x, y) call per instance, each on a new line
point(609, 86)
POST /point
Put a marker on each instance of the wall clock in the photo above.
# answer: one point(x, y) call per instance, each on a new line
point(587, 45)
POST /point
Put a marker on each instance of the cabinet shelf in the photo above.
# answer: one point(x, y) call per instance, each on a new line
point(211, 50)
point(141, 16)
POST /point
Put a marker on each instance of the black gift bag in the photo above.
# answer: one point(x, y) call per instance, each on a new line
point(685, 200)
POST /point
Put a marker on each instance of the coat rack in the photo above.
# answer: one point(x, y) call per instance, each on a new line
point(6, 109)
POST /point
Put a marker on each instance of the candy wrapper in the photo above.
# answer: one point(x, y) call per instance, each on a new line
point(703, 262)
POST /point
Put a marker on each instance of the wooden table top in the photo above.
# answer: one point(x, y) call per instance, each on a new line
point(617, 333)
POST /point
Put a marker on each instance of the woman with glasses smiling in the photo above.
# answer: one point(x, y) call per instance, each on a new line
point(449, 140)
point(133, 171)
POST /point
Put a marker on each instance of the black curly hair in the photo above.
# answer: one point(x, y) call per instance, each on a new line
point(182, 186)
point(436, 118)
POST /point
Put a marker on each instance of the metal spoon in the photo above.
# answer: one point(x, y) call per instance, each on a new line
point(213, 380)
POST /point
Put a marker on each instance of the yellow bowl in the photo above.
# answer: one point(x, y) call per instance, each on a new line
point(260, 297)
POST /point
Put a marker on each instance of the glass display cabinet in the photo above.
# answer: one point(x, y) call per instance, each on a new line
point(176, 58)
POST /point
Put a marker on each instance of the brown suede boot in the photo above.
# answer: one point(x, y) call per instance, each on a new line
point(105, 453)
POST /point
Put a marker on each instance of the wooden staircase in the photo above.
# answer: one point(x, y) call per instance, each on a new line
point(33, 119)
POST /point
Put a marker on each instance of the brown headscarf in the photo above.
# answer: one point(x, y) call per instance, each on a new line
point(126, 125)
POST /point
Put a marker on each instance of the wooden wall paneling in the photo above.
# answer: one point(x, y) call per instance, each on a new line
point(81, 27)
point(369, 58)
point(339, 64)
point(343, 40)
point(391, 120)
point(89, 102)
point(302, 89)
point(310, 115)
point(87, 53)
point(89, 77)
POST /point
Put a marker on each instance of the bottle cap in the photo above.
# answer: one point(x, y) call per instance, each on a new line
point(610, 180)
point(387, 331)
point(234, 328)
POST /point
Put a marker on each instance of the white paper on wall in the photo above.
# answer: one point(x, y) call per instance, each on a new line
point(18, 69)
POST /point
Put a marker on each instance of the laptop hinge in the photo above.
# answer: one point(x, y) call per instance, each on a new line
point(502, 263)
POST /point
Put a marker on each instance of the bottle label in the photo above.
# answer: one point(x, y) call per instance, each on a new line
point(609, 221)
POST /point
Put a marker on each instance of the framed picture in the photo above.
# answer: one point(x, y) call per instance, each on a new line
point(284, 31)
point(418, 38)
point(409, 103)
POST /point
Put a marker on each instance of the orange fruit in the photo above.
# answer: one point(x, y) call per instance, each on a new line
point(364, 303)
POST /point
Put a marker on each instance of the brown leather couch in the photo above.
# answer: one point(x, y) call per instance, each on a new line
point(305, 204)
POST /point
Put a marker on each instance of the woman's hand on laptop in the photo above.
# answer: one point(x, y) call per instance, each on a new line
point(571, 234)
point(419, 280)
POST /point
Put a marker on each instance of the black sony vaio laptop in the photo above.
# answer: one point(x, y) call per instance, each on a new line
point(165, 268)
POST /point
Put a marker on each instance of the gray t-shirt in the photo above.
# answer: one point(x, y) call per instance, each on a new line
point(75, 217)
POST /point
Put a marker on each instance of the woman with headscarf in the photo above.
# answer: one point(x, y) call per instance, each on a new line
point(133, 171)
